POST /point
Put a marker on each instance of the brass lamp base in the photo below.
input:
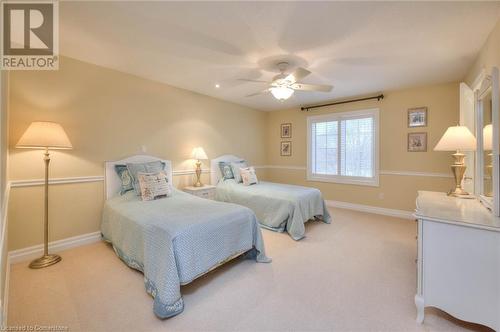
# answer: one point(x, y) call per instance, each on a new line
point(198, 175)
point(458, 168)
point(458, 192)
point(44, 261)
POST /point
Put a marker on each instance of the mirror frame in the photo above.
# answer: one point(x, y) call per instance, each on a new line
point(489, 83)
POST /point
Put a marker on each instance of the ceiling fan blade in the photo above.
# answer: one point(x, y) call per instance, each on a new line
point(297, 75)
point(258, 93)
point(254, 81)
point(311, 87)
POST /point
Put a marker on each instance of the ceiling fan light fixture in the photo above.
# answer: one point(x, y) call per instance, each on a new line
point(281, 92)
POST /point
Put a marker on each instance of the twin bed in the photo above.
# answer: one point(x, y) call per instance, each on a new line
point(177, 239)
point(279, 207)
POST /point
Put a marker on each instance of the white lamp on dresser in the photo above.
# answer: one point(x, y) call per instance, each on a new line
point(457, 139)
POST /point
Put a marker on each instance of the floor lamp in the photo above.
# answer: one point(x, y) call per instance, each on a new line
point(47, 136)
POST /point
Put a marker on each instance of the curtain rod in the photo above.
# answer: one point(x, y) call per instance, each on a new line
point(307, 108)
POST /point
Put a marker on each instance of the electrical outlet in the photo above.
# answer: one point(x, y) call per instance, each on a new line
point(381, 196)
point(144, 149)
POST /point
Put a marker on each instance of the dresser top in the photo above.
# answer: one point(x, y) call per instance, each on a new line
point(438, 206)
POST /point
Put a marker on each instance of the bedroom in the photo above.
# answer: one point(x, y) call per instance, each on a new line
point(159, 79)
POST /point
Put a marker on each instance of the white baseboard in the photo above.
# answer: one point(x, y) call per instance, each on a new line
point(33, 252)
point(372, 209)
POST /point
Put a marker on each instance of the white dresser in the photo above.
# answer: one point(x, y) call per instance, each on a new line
point(206, 191)
point(458, 262)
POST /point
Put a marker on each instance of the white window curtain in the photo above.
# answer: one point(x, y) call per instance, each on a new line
point(343, 147)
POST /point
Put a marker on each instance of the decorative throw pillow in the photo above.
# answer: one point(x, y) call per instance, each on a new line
point(236, 166)
point(154, 185)
point(226, 170)
point(248, 176)
point(125, 178)
point(150, 167)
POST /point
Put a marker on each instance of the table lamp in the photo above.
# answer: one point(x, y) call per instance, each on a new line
point(457, 138)
point(47, 136)
point(198, 154)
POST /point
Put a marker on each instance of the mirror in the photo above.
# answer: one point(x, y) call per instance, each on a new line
point(487, 188)
point(487, 158)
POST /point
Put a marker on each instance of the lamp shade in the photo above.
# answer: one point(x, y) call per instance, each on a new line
point(44, 135)
point(488, 137)
point(457, 138)
point(199, 154)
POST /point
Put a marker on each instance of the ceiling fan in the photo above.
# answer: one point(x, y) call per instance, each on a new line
point(283, 86)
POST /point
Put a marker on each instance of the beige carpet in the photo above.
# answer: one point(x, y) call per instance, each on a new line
point(356, 274)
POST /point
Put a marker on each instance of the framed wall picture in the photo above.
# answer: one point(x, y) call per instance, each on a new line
point(417, 142)
point(286, 130)
point(417, 117)
point(286, 149)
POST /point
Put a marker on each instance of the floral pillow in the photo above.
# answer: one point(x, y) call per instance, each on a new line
point(126, 179)
point(154, 185)
point(149, 167)
point(226, 170)
point(236, 166)
point(248, 176)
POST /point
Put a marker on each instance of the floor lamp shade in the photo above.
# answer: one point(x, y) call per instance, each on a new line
point(45, 135)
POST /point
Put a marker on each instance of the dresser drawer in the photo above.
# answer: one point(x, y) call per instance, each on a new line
point(207, 192)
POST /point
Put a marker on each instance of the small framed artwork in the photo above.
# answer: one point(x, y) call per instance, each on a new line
point(286, 149)
point(417, 142)
point(417, 117)
point(286, 130)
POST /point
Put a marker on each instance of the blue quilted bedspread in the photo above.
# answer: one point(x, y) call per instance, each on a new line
point(278, 206)
point(176, 239)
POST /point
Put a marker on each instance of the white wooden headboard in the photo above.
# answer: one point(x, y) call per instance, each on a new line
point(112, 182)
point(214, 167)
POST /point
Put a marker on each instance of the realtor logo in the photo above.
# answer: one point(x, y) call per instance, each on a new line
point(30, 35)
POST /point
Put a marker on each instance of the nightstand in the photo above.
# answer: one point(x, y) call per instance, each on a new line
point(207, 191)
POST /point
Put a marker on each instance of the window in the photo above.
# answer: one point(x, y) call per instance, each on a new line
point(343, 147)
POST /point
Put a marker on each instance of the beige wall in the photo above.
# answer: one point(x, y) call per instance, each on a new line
point(4, 91)
point(109, 115)
point(395, 191)
point(488, 57)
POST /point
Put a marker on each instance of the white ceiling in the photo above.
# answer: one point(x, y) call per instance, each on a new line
point(359, 47)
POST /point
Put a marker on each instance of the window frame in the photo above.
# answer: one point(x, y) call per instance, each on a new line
point(344, 179)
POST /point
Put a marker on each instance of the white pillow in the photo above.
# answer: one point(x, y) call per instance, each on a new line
point(236, 166)
point(154, 185)
point(248, 176)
